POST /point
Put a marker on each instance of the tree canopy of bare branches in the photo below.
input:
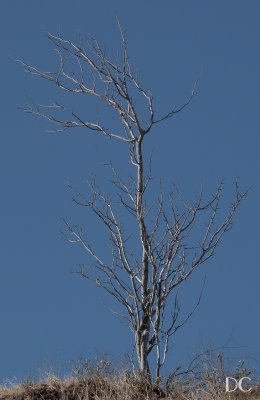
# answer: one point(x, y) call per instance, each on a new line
point(143, 284)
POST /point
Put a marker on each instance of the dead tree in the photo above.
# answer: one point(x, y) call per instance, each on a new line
point(143, 282)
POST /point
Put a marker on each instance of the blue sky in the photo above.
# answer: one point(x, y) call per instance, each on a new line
point(48, 315)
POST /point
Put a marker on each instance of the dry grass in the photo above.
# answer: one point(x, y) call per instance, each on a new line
point(113, 389)
point(102, 383)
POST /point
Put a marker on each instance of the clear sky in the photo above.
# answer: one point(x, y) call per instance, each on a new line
point(48, 315)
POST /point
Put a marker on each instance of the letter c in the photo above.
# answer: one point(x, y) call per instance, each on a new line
point(240, 383)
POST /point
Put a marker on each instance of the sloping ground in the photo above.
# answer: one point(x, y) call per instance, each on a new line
point(94, 388)
point(98, 388)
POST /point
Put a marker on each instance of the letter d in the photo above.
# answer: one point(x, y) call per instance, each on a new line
point(228, 379)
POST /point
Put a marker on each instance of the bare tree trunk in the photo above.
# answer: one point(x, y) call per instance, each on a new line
point(145, 320)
